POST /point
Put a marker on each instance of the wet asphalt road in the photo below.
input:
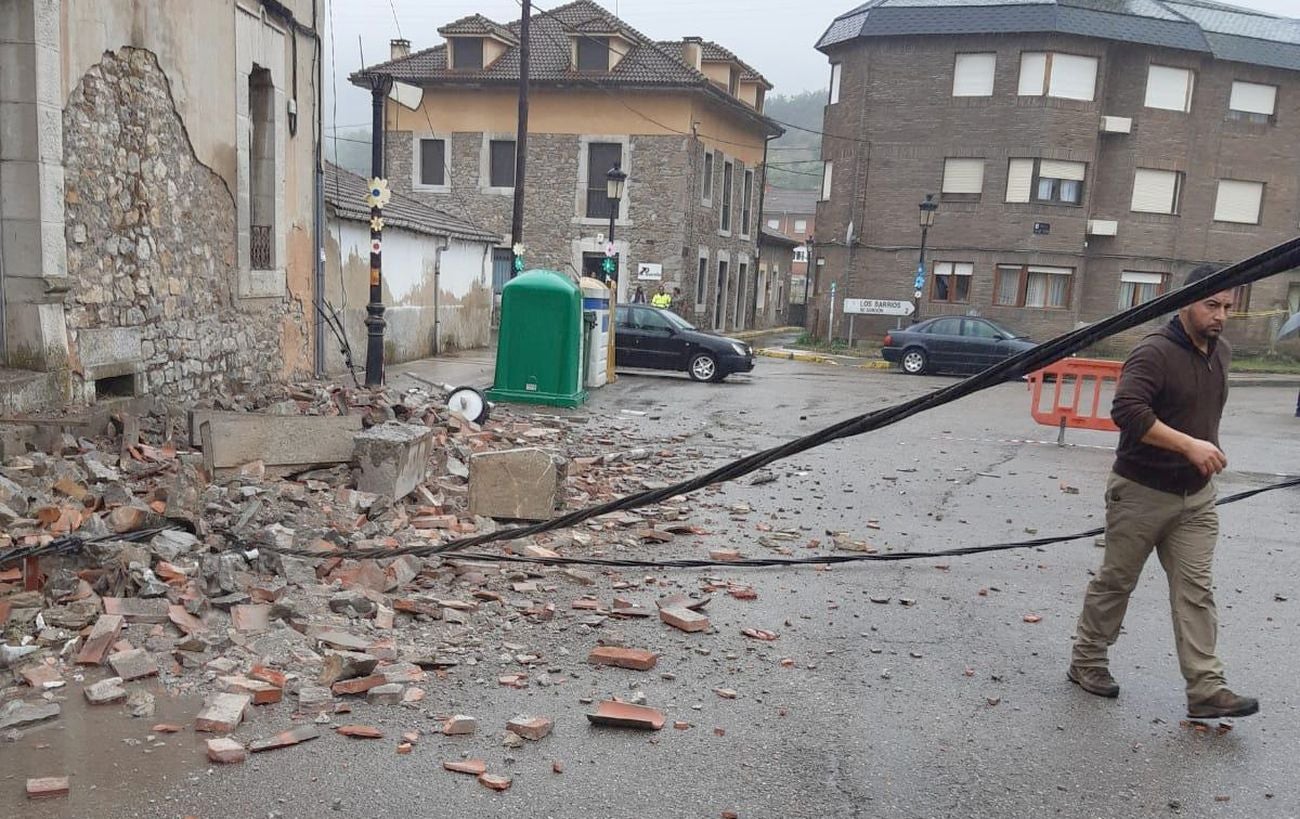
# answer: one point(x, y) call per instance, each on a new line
point(951, 707)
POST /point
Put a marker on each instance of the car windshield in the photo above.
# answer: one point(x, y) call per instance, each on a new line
point(675, 320)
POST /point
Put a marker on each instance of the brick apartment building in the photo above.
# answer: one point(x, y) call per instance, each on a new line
point(1083, 158)
point(683, 119)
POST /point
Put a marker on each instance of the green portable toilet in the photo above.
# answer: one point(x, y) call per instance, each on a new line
point(539, 347)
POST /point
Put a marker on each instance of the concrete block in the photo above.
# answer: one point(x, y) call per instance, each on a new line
point(393, 458)
point(523, 484)
point(109, 351)
point(281, 441)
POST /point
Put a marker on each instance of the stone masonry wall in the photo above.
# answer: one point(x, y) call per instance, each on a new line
point(666, 223)
point(151, 246)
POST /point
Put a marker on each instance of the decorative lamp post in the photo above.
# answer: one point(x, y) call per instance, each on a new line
point(615, 182)
point(927, 208)
point(807, 272)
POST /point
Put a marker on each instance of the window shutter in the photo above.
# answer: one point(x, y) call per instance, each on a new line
point(1033, 70)
point(1057, 169)
point(943, 268)
point(1253, 98)
point(1051, 271)
point(1020, 178)
point(1153, 191)
point(963, 175)
point(963, 269)
point(1141, 278)
point(1238, 201)
point(1169, 88)
point(972, 75)
point(1073, 77)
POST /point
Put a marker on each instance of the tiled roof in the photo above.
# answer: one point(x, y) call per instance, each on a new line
point(647, 64)
point(775, 237)
point(478, 24)
point(345, 194)
point(788, 200)
point(1227, 32)
point(712, 52)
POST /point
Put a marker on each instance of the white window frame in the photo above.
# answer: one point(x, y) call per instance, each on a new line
point(1038, 77)
point(1237, 189)
point(580, 194)
point(773, 224)
point(953, 270)
point(708, 169)
point(828, 172)
point(1176, 189)
point(953, 184)
point(837, 76)
point(973, 73)
point(727, 197)
point(746, 201)
point(1245, 101)
point(485, 162)
point(702, 280)
point(800, 255)
point(800, 225)
point(417, 162)
point(1139, 278)
point(1169, 88)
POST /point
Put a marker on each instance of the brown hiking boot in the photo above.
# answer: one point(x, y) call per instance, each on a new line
point(1224, 703)
point(1094, 680)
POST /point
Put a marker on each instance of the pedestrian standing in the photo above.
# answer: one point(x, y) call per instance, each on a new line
point(661, 298)
point(679, 306)
point(1160, 496)
point(639, 296)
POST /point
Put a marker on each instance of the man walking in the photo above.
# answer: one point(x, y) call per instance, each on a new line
point(1160, 496)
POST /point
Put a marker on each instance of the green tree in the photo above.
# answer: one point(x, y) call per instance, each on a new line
point(794, 159)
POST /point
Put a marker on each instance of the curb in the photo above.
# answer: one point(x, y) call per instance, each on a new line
point(816, 358)
point(771, 331)
point(1251, 380)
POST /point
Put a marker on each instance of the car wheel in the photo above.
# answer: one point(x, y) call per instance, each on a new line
point(914, 361)
point(703, 367)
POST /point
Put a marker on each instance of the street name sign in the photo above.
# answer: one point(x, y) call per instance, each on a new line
point(879, 307)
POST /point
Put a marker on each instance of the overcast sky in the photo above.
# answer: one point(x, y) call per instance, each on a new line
point(774, 36)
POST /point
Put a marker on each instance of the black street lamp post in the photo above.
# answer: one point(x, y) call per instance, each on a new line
point(615, 181)
point(928, 207)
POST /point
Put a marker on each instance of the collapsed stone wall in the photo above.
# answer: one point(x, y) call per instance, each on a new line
point(152, 266)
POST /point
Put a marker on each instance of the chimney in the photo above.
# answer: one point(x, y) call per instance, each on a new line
point(693, 51)
point(397, 49)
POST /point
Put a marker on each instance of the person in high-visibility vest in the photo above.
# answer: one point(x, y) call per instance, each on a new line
point(661, 299)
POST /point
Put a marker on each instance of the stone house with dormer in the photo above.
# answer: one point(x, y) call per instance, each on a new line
point(684, 119)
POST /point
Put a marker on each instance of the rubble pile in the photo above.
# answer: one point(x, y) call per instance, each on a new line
point(204, 608)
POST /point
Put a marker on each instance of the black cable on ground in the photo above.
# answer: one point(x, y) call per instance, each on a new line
point(1283, 257)
point(817, 560)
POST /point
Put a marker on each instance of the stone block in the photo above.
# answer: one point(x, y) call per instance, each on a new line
point(393, 458)
point(518, 484)
point(110, 351)
point(285, 441)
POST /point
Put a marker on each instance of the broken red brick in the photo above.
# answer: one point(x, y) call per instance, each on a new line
point(104, 633)
point(1032, 618)
point(494, 781)
point(474, 767)
point(167, 728)
point(634, 658)
point(684, 619)
point(557, 767)
point(411, 736)
point(416, 606)
point(46, 787)
point(269, 675)
point(226, 751)
point(359, 685)
point(724, 555)
point(134, 664)
point(681, 725)
point(404, 748)
point(285, 739)
point(360, 731)
point(185, 621)
point(626, 715)
point(222, 713)
point(460, 725)
point(263, 693)
point(759, 634)
point(39, 675)
point(534, 728)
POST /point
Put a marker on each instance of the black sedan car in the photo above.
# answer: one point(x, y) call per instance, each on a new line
point(952, 344)
point(658, 339)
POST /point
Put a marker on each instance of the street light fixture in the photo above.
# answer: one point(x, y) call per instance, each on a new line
point(927, 209)
point(615, 181)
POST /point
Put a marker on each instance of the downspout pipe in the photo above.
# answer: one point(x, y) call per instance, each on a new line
point(437, 288)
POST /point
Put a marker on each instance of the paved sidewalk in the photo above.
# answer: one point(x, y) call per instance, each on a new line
point(465, 368)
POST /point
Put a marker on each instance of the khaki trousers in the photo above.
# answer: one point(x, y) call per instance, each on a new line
point(1182, 530)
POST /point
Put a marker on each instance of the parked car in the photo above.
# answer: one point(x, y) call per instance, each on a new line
point(952, 344)
point(658, 339)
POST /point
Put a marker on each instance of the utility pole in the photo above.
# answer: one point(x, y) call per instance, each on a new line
point(521, 145)
point(379, 193)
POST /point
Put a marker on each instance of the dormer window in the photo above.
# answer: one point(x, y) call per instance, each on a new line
point(467, 53)
point(593, 53)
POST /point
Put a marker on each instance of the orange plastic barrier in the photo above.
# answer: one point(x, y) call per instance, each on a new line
point(1078, 387)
